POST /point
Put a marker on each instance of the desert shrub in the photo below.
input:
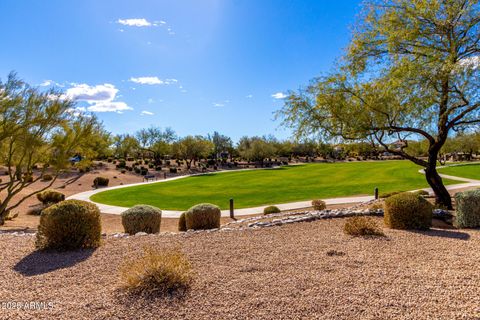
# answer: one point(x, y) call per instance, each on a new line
point(123, 171)
point(319, 204)
point(167, 162)
point(271, 209)
point(385, 195)
point(36, 210)
point(109, 160)
point(422, 193)
point(362, 226)
point(100, 182)
point(182, 224)
point(173, 170)
point(27, 178)
point(408, 211)
point(158, 168)
point(157, 272)
point(144, 171)
point(47, 177)
point(150, 165)
point(50, 196)
point(142, 218)
point(203, 216)
point(70, 224)
point(121, 164)
point(468, 209)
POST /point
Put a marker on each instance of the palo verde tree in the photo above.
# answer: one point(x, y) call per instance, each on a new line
point(411, 71)
point(156, 141)
point(37, 129)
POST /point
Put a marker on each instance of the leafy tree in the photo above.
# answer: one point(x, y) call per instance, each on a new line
point(125, 145)
point(192, 149)
point(156, 141)
point(255, 148)
point(411, 72)
point(37, 129)
point(221, 143)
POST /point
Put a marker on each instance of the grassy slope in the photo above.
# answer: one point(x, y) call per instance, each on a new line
point(281, 185)
point(470, 171)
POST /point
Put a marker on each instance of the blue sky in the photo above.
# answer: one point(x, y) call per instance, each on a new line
point(195, 66)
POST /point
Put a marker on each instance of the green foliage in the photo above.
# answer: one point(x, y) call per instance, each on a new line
point(69, 225)
point(385, 195)
point(50, 196)
point(100, 182)
point(193, 148)
point(408, 211)
point(157, 273)
point(362, 226)
point(255, 148)
point(182, 224)
point(319, 204)
point(202, 217)
point(271, 209)
point(142, 218)
point(468, 209)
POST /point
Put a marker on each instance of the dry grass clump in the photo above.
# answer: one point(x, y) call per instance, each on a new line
point(362, 226)
point(319, 204)
point(157, 273)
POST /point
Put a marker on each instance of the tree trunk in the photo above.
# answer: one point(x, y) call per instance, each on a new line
point(442, 197)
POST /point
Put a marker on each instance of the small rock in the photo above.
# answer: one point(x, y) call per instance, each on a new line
point(139, 234)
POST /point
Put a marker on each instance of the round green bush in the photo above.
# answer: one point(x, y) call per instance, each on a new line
point(468, 209)
point(69, 225)
point(271, 209)
point(408, 211)
point(319, 204)
point(47, 177)
point(100, 182)
point(182, 224)
point(202, 217)
point(50, 196)
point(142, 218)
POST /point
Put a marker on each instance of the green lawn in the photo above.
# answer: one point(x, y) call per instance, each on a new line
point(271, 186)
point(470, 171)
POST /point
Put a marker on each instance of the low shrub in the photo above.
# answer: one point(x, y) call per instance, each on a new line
point(202, 217)
point(123, 171)
point(142, 218)
point(50, 196)
point(385, 195)
point(173, 170)
point(422, 193)
point(100, 182)
point(468, 209)
point(47, 177)
point(408, 211)
point(158, 168)
point(319, 204)
point(70, 224)
point(157, 273)
point(144, 171)
point(271, 209)
point(362, 226)
point(182, 224)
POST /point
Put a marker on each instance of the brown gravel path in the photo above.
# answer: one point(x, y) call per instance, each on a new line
point(277, 273)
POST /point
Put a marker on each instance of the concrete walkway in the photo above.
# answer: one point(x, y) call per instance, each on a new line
point(256, 210)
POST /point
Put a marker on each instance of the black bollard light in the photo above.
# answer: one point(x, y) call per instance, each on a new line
point(376, 193)
point(231, 210)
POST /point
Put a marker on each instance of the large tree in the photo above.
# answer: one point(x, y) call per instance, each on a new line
point(411, 71)
point(156, 141)
point(38, 129)
point(192, 149)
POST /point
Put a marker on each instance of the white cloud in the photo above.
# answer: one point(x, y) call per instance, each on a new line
point(249, 96)
point(137, 22)
point(100, 97)
point(150, 100)
point(470, 62)
point(109, 106)
point(153, 80)
point(217, 104)
point(47, 83)
point(279, 95)
point(146, 113)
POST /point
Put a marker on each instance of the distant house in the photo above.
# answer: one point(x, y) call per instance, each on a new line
point(398, 145)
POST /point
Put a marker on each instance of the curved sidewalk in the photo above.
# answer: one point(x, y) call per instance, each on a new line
point(104, 208)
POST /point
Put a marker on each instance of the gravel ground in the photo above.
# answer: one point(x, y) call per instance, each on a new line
point(271, 273)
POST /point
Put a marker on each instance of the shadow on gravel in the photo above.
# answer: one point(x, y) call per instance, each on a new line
point(450, 234)
point(40, 262)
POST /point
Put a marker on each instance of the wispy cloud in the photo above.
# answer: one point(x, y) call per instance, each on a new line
point(218, 104)
point(47, 83)
point(136, 22)
point(99, 97)
point(249, 96)
point(146, 113)
point(279, 95)
point(153, 80)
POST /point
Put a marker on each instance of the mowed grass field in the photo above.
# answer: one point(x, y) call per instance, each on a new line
point(272, 186)
point(470, 171)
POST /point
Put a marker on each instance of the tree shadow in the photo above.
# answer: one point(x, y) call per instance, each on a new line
point(444, 233)
point(40, 262)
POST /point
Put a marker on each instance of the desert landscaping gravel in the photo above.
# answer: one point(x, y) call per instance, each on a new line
point(296, 271)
